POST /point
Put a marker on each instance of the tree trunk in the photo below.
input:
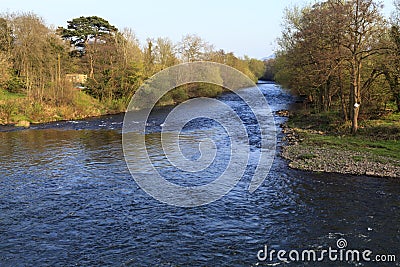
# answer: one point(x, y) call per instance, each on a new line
point(355, 95)
point(327, 92)
point(91, 73)
point(353, 104)
point(343, 103)
point(321, 104)
point(89, 51)
point(342, 100)
point(354, 124)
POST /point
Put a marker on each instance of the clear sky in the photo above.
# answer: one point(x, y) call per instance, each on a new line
point(245, 27)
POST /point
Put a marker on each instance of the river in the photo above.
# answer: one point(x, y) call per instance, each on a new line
point(67, 198)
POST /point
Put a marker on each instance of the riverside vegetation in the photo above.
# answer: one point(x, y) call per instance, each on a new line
point(343, 59)
point(36, 61)
point(318, 142)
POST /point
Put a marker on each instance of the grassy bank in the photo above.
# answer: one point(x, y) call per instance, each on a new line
point(17, 108)
point(320, 142)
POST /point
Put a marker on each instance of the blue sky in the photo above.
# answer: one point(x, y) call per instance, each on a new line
point(245, 27)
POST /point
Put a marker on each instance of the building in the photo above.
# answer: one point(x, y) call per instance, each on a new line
point(76, 78)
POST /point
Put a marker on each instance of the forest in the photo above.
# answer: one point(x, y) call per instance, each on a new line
point(91, 67)
point(343, 59)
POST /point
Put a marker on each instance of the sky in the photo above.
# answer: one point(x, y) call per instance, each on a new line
point(245, 27)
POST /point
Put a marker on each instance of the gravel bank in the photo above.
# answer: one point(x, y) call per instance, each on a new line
point(335, 160)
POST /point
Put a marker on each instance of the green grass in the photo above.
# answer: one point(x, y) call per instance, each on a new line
point(385, 148)
point(87, 104)
point(5, 95)
point(325, 121)
point(17, 107)
point(357, 158)
point(394, 117)
point(380, 137)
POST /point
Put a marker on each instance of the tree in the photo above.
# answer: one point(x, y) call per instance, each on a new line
point(363, 33)
point(165, 53)
point(6, 43)
point(149, 58)
point(218, 56)
point(119, 69)
point(29, 53)
point(269, 73)
point(391, 63)
point(331, 50)
point(257, 67)
point(84, 33)
point(128, 46)
point(33, 59)
point(193, 48)
point(130, 66)
point(6, 36)
point(293, 59)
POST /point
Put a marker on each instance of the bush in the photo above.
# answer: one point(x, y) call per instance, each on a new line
point(36, 109)
point(15, 85)
point(8, 109)
point(118, 105)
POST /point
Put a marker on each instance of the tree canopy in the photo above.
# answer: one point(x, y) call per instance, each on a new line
point(37, 61)
point(80, 31)
point(336, 53)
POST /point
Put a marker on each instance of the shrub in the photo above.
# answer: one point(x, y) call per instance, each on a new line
point(7, 109)
point(15, 85)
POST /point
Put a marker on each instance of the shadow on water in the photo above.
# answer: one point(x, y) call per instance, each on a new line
point(67, 198)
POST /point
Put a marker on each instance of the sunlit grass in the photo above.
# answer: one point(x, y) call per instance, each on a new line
point(5, 95)
point(385, 148)
point(379, 137)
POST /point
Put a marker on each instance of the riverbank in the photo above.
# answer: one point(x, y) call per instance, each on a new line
point(19, 110)
point(312, 144)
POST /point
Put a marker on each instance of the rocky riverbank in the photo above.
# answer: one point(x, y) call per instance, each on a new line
point(304, 155)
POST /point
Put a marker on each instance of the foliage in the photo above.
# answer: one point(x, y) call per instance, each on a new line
point(269, 73)
point(35, 61)
point(257, 67)
point(379, 137)
point(188, 91)
point(7, 109)
point(193, 48)
point(15, 85)
point(82, 30)
point(335, 54)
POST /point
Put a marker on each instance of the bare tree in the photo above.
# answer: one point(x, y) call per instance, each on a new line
point(165, 53)
point(193, 48)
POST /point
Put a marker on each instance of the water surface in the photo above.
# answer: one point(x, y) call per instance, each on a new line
point(67, 198)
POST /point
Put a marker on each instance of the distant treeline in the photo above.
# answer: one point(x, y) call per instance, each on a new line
point(109, 64)
point(343, 56)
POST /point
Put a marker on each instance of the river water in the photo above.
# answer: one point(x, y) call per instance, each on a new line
point(67, 198)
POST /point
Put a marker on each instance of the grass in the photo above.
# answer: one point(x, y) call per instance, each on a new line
point(5, 95)
point(9, 105)
point(357, 158)
point(379, 137)
point(85, 104)
point(385, 148)
point(15, 108)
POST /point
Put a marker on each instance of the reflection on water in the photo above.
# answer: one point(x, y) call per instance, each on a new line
point(67, 198)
